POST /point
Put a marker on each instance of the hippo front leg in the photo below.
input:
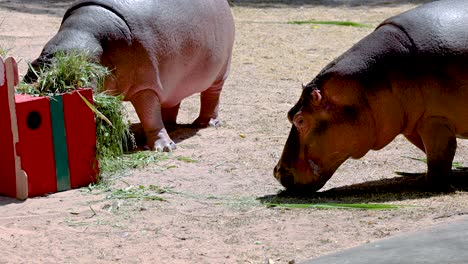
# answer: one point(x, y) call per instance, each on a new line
point(209, 103)
point(440, 145)
point(148, 109)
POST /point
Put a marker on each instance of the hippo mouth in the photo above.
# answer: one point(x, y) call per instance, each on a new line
point(302, 168)
point(303, 173)
point(306, 177)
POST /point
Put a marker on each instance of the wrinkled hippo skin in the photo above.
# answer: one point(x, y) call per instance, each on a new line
point(159, 51)
point(409, 76)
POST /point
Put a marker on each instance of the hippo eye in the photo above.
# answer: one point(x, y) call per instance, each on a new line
point(298, 121)
point(350, 113)
point(321, 127)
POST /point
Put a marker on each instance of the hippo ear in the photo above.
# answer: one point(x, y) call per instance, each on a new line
point(316, 97)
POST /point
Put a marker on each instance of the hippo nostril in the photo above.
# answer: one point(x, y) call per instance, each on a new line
point(284, 176)
point(276, 172)
point(287, 180)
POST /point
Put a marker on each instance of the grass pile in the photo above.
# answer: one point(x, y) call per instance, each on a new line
point(113, 135)
point(66, 72)
point(72, 70)
point(138, 192)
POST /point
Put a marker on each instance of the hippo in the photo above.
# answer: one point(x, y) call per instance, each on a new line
point(159, 51)
point(409, 76)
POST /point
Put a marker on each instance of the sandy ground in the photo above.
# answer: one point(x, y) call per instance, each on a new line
point(214, 209)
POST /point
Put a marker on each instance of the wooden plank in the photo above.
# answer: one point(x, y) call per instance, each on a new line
point(12, 80)
point(7, 154)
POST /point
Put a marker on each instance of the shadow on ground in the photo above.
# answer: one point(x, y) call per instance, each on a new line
point(405, 187)
point(48, 7)
point(331, 3)
point(8, 200)
point(178, 133)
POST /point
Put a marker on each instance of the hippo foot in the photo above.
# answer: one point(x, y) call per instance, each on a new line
point(162, 148)
point(203, 123)
point(445, 188)
point(163, 142)
point(431, 184)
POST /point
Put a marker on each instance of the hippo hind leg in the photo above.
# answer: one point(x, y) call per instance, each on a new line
point(169, 116)
point(209, 100)
point(440, 145)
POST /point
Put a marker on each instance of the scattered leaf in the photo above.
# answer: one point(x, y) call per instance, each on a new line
point(324, 22)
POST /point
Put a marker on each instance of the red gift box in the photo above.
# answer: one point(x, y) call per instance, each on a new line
point(49, 143)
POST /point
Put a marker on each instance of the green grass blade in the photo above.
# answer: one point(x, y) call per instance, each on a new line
point(455, 164)
point(417, 159)
point(137, 160)
point(30, 67)
point(3, 52)
point(326, 22)
point(138, 192)
point(94, 109)
point(336, 206)
point(136, 196)
point(186, 159)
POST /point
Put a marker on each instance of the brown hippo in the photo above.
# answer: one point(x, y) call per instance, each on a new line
point(409, 76)
point(160, 52)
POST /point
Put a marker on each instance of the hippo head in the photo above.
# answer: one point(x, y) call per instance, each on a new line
point(35, 66)
point(330, 123)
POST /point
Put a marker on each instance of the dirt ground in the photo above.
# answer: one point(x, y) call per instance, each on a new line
point(214, 209)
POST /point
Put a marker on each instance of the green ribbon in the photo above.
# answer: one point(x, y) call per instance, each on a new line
point(60, 143)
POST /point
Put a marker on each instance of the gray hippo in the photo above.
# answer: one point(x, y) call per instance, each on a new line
point(159, 51)
point(409, 76)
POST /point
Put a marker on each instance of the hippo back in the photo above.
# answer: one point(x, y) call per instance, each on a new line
point(436, 28)
point(149, 18)
point(419, 41)
point(174, 43)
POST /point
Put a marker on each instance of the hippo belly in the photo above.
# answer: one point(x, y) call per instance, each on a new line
point(179, 81)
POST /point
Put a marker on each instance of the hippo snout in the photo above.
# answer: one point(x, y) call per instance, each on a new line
point(292, 181)
point(297, 171)
point(284, 176)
